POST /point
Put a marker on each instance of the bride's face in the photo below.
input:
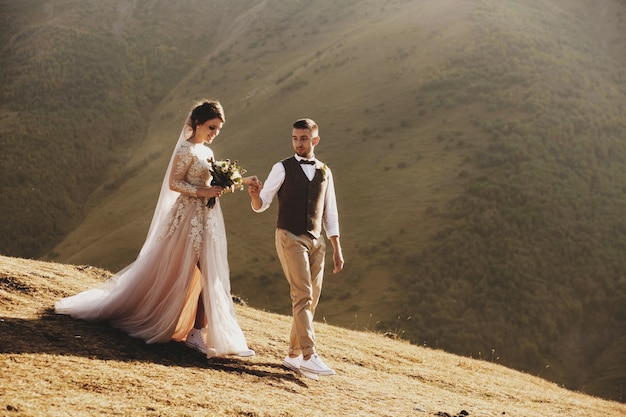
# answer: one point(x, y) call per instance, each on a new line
point(208, 130)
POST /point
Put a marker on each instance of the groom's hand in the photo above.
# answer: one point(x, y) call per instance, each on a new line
point(254, 189)
point(255, 195)
point(337, 254)
point(338, 261)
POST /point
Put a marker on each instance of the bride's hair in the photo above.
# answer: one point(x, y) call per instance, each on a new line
point(205, 110)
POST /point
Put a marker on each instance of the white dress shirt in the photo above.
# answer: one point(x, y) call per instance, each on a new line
point(275, 180)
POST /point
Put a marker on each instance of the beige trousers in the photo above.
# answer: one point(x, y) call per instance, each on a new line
point(302, 259)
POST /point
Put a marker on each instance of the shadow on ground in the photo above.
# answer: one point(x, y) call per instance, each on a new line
point(61, 335)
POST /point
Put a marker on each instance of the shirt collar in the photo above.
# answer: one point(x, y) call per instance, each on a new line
point(299, 158)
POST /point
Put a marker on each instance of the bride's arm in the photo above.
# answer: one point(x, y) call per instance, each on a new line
point(180, 166)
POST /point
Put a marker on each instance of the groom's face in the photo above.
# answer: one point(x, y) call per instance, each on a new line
point(304, 142)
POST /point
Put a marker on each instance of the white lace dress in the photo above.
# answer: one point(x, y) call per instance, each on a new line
point(155, 298)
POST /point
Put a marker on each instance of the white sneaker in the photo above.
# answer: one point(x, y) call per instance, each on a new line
point(294, 365)
point(316, 365)
point(246, 353)
point(194, 340)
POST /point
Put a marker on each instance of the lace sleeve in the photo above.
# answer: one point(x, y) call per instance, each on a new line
point(182, 162)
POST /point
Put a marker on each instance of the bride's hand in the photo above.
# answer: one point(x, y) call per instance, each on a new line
point(210, 192)
point(216, 191)
point(252, 180)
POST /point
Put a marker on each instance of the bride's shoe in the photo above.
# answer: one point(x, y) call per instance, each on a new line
point(194, 340)
point(246, 353)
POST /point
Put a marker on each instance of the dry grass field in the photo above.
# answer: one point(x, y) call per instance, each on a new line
point(55, 366)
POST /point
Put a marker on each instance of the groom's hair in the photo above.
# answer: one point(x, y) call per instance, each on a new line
point(307, 124)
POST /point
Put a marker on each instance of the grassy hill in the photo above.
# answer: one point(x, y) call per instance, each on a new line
point(55, 366)
point(478, 149)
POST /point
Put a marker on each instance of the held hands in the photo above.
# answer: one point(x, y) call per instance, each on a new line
point(217, 191)
point(252, 180)
point(254, 190)
point(254, 187)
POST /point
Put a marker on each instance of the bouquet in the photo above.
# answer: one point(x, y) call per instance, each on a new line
point(226, 174)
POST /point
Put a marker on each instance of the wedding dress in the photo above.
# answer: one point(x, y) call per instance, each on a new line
point(185, 254)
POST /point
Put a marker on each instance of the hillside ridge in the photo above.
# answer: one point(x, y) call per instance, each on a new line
point(53, 365)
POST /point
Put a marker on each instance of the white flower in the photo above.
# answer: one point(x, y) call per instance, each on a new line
point(236, 176)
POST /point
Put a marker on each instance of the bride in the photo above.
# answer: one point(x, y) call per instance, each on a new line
point(178, 288)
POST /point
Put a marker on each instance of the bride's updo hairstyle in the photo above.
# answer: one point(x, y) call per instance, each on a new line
point(205, 110)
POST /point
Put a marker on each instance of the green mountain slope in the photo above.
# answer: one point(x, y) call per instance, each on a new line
point(79, 82)
point(478, 148)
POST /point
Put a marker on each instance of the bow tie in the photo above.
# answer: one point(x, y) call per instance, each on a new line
point(304, 161)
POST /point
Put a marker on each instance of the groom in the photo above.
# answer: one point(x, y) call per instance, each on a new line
point(306, 203)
